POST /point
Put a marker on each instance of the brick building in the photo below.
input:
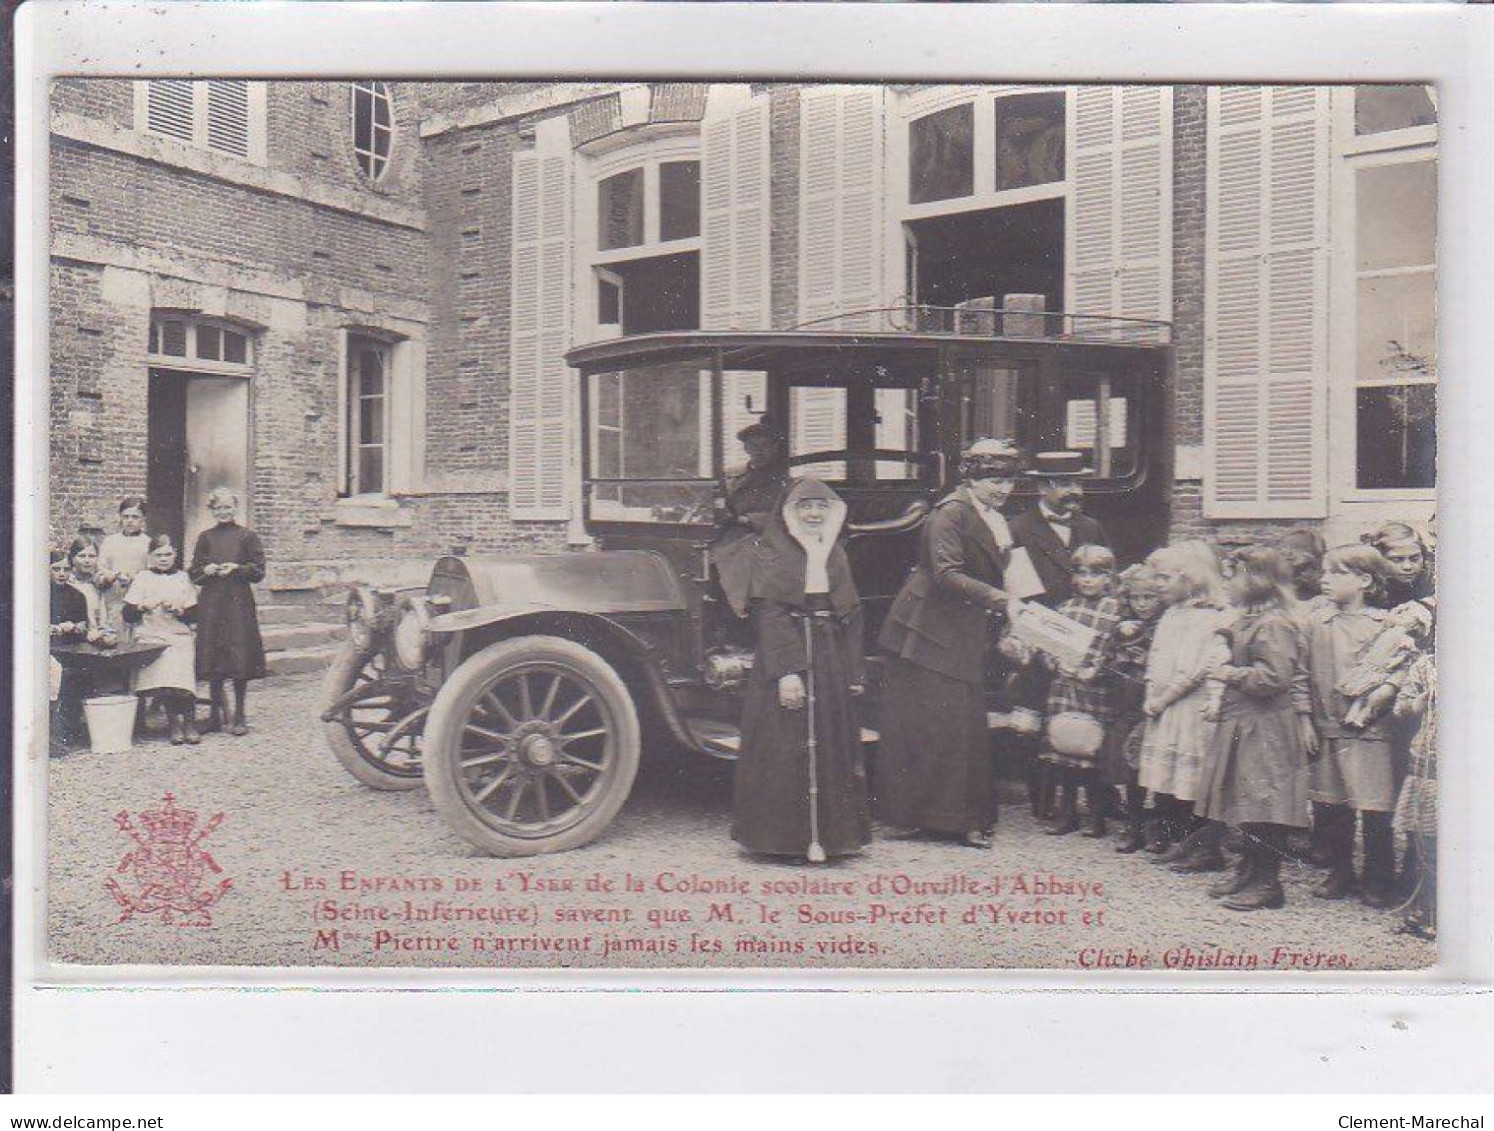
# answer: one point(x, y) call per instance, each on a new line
point(352, 300)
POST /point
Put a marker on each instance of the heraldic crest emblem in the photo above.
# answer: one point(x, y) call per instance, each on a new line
point(168, 869)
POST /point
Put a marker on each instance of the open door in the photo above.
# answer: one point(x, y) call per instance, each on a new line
point(217, 447)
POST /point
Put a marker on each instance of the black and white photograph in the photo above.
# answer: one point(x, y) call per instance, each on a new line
point(709, 524)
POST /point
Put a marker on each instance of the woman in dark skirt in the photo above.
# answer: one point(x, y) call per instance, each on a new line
point(934, 768)
point(226, 561)
point(801, 584)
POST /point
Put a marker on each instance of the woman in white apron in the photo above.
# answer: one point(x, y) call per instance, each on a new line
point(122, 556)
point(162, 604)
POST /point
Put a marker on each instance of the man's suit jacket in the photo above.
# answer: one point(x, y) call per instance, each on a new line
point(1050, 557)
point(938, 620)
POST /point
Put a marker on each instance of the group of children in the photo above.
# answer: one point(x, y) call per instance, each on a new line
point(132, 587)
point(1239, 700)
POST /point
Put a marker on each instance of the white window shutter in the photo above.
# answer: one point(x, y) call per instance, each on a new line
point(540, 332)
point(228, 116)
point(734, 228)
point(840, 217)
point(1119, 223)
point(1265, 310)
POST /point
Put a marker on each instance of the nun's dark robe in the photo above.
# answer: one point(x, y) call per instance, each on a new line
point(228, 640)
point(770, 799)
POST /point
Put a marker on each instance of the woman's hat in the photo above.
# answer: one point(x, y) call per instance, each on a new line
point(992, 459)
point(1059, 465)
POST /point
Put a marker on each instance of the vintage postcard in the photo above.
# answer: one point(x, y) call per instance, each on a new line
point(713, 525)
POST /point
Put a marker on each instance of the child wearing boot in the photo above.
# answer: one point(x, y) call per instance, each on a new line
point(1179, 698)
point(1256, 773)
point(1416, 810)
point(1140, 594)
point(1352, 773)
point(161, 603)
point(1083, 691)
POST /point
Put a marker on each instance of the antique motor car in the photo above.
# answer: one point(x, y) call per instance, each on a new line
point(523, 688)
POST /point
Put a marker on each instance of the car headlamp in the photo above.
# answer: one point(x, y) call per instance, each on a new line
point(410, 638)
point(361, 612)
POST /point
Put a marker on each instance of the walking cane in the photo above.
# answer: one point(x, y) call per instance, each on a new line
point(816, 852)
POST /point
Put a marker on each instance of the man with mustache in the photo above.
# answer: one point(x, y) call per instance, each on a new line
point(1057, 525)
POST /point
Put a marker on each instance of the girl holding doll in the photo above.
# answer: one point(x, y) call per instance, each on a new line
point(1255, 776)
point(1179, 699)
point(1352, 772)
point(162, 604)
point(1141, 603)
point(1078, 704)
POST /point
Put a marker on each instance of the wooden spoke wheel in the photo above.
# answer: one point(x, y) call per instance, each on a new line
point(531, 746)
point(377, 720)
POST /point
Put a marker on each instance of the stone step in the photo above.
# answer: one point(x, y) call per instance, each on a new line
point(293, 661)
point(285, 637)
point(298, 614)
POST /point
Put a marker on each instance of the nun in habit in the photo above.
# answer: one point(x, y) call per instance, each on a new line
point(802, 583)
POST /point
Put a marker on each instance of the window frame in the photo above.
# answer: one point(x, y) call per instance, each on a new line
point(1352, 154)
point(592, 264)
point(985, 195)
point(353, 399)
point(256, 95)
point(190, 359)
point(375, 89)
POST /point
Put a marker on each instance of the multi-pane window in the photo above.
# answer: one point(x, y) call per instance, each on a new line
point(222, 115)
point(373, 127)
point(1382, 109)
point(941, 155)
point(184, 340)
point(1029, 140)
point(368, 416)
point(1396, 320)
point(948, 158)
point(647, 265)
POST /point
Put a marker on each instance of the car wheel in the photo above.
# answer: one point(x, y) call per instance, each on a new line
point(531, 746)
point(374, 722)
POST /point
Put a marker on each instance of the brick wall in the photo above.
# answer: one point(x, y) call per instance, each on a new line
point(783, 188)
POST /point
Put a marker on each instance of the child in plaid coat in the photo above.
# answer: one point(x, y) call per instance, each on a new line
point(1082, 691)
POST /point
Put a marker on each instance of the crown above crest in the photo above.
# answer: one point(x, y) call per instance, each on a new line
point(168, 822)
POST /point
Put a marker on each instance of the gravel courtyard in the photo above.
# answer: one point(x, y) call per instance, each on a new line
point(327, 872)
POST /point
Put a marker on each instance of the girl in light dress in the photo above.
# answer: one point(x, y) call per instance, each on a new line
point(122, 555)
point(83, 564)
point(1179, 695)
point(162, 604)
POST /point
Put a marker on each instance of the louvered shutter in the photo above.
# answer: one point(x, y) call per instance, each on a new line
point(1119, 223)
point(538, 398)
point(1266, 303)
point(734, 229)
point(840, 218)
point(168, 108)
point(228, 116)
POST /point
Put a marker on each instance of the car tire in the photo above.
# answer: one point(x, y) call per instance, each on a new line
point(353, 749)
point(479, 774)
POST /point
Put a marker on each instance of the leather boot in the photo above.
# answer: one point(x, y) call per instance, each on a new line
point(1338, 883)
point(216, 710)
point(1320, 848)
point(1235, 880)
point(240, 727)
point(1066, 818)
point(1201, 851)
point(178, 734)
point(1099, 800)
point(1135, 835)
point(1377, 887)
point(189, 726)
point(1263, 892)
point(1156, 837)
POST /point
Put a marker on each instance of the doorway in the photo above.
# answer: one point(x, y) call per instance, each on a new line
point(197, 439)
point(988, 253)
